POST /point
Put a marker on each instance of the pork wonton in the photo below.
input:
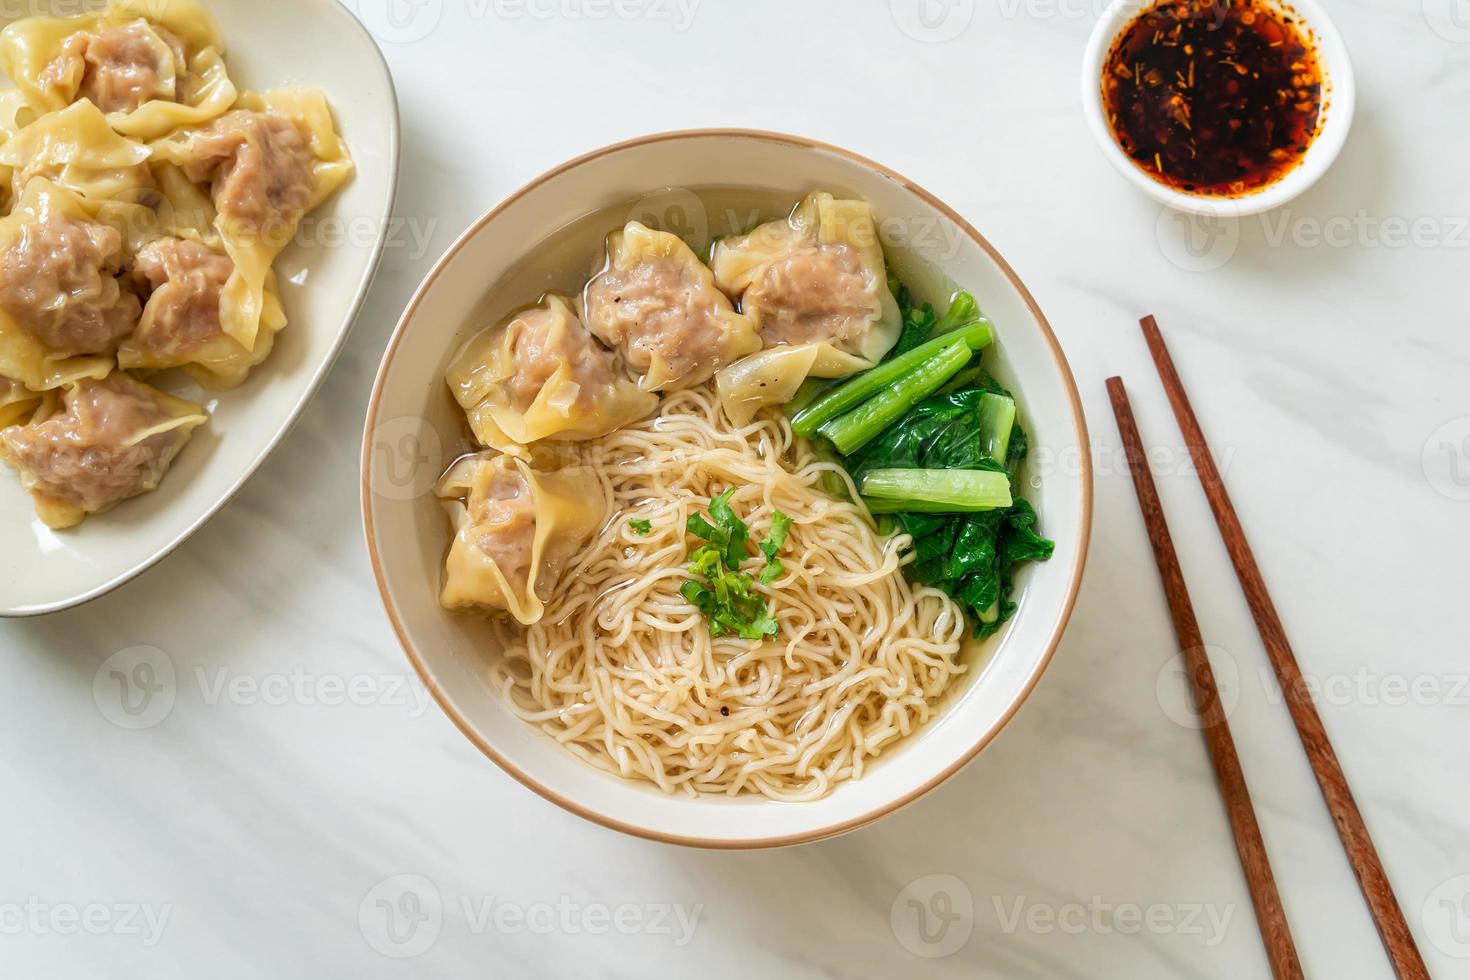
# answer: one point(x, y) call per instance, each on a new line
point(657, 305)
point(59, 292)
point(150, 65)
point(108, 440)
point(817, 277)
point(181, 324)
point(515, 531)
point(540, 375)
point(267, 162)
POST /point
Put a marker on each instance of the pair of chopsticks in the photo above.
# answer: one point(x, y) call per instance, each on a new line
point(1361, 854)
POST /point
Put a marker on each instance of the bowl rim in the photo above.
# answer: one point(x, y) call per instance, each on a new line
point(1321, 153)
point(350, 316)
point(420, 667)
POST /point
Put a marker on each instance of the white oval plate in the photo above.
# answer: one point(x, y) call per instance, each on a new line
point(324, 276)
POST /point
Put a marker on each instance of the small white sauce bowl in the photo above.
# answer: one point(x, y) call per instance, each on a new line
point(1338, 101)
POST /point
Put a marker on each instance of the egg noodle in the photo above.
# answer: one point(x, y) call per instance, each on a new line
point(623, 671)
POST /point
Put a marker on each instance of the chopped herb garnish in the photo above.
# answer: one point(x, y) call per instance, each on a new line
point(725, 595)
point(771, 547)
point(640, 526)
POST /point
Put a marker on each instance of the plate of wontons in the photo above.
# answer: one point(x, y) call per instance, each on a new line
point(175, 180)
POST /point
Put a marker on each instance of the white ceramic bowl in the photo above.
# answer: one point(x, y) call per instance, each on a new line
point(324, 277)
point(1338, 101)
point(413, 427)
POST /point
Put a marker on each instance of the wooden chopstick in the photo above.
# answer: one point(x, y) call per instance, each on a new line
point(1398, 942)
point(1275, 931)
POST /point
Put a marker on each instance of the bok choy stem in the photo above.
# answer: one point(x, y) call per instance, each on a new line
point(962, 309)
point(997, 418)
point(808, 419)
point(852, 431)
point(935, 491)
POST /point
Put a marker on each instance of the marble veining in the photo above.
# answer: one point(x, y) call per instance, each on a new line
point(295, 790)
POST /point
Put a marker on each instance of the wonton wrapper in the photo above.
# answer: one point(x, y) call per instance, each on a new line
point(658, 306)
point(566, 508)
point(23, 356)
point(88, 438)
point(826, 255)
point(770, 377)
point(582, 397)
point(77, 149)
point(185, 210)
point(200, 85)
point(178, 208)
point(15, 115)
point(253, 250)
point(17, 402)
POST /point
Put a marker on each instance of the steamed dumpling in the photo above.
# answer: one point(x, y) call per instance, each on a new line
point(657, 305)
point(540, 375)
point(109, 440)
point(60, 298)
point(58, 276)
point(516, 529)
point(267, 163)
point(150, 65)
point(118, 68)
point(817, 277)
point(181, 324)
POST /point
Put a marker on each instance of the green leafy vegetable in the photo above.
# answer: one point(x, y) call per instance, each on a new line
point(940, 432)
point(725, 595)
point(962, 309)
point(968, 425)
point(808, 416)
point(852, 431)
point(811, 389)
point(935, 491)
point(920, 323)
point(965, 379)
point(640, 526)
point(970, 556)
point(997, 420)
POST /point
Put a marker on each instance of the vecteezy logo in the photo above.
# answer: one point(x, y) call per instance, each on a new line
point(1446, 459)
point(932, 21)
point(1450, 19)
point(1446, 917)
point(401, 916)
point(406, 453)
point(933, 916)
point(400, 21)
point(1196, 242)
point(135, 688)
point(1175, 692)
point(674, 209)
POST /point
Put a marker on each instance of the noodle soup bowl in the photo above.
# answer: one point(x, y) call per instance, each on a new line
point(701, 184)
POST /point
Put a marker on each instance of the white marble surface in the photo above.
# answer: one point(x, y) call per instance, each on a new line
point(255, 820)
